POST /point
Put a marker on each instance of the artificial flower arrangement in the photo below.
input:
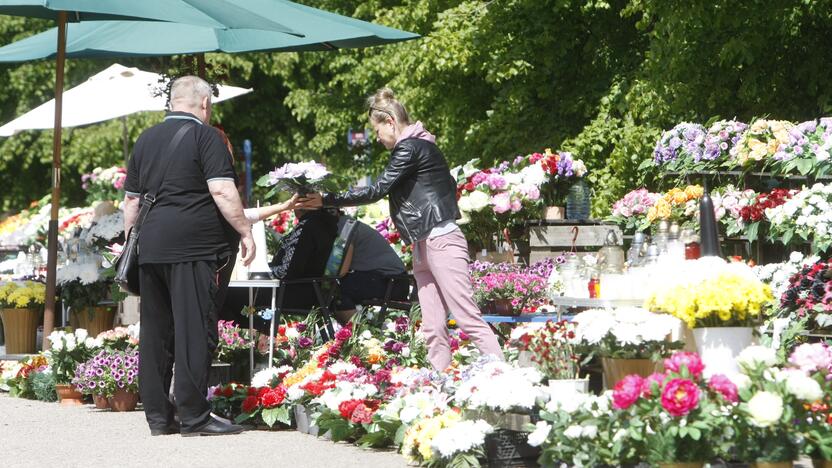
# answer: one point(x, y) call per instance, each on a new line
point(301, 178)
point(104, 184)
point(807, 293)
point(446, 440)
point(67, 351)
point(626, 333)
point(679, 205)
point(18, 377)
point(29, 294)
point(552, 349)
point(108, 371)
point(806, 216)
point(681, 148)
point(233, 343)
point(807, 151)
point(760, 142)
point(226, 399)
point(630, 212)
point(712, 293)
point(490, 384)
point(749, 212)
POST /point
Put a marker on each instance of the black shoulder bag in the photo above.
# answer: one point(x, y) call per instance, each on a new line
point(127, 264)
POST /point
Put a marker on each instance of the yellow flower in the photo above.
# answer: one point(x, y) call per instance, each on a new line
point(694, 191)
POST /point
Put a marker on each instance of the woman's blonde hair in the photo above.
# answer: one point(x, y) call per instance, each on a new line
point(383, 104)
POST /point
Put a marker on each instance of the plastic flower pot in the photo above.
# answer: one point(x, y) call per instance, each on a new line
point(68, 395)
point(719, 347)
point(123, 400)
point(100, 401)
point(20, 330)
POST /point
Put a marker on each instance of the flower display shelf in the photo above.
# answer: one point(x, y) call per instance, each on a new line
point(564, 303)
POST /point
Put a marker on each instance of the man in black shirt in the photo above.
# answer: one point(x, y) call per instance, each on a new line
point(188, 237)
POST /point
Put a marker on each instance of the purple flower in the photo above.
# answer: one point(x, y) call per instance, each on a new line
point(304, 342)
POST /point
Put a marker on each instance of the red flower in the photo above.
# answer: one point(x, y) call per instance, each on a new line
point(347, 407)
point(344, 334)
point(362, 414)
point(250, 404)
point(680, 397)
point(227, 391)
point(627, 391)
point(273, 397)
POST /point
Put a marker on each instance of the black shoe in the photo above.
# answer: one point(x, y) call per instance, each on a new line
point(172, 428)
point(213, 427)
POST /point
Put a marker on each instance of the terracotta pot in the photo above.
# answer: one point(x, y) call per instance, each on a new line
point(502, 307)
point(20, 328)
point(781, 464)
point(616, 369)
point(93, 319)
point(818, 463)
point(681, 465)
point(68, 395)
point(100, 401)
point(553, 213)
point(123, 400)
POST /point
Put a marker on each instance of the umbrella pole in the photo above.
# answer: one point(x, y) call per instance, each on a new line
point(124, 139)
point(52, 242)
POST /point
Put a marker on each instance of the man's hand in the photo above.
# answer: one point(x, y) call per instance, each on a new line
point(312, 201)
point(248, 248)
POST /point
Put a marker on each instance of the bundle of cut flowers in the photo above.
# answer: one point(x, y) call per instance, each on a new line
point(761, 141)
point(233, 343)
point(807, 151)
point(226, 400)
point(446, 440)
point(301, 178)
point(755, 212)
point(626, 333)
point(630, 212)
point(807, 216)
point(680, 146)
point(809, 293)
point(553, 349)
point(733, 203)
point(104, 184)
point(722, 137)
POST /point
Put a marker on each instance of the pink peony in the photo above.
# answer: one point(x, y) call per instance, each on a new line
point(680, 397)
point(812, 357)
point(723, 385)
point(681, 359)
point(501, 202)
point(627, 391)
point(649, 381)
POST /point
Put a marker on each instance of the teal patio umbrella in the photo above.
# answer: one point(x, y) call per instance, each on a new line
point(211, 13)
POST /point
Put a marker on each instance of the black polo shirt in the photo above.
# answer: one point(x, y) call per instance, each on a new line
point(185, 224)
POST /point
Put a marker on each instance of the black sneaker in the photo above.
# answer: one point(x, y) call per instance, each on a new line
point(213, 427)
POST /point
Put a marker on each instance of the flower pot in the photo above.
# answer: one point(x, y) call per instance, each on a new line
point(68, 395)
point(616, 369)
point(20, 330)
point(302, 422)
point(578, 200)
point(93, 319)
point(100, 401)
point(681, 465)
point(569, 385)
point(554, 213)
point(780, 464)
point(123, 400)
point(719, 346)
point(502, 307)
point(818, 463)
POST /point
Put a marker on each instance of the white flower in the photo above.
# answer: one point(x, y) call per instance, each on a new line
point(90, 343)
point(765, 408)
point(566, 401)
point(81, 334)
point(57, 345)
point(264, 377)
point(461, 437)
point(742, 381)
point(342, 367)
point(292, 333)
point(478, 200)
point(295, 393)
point(366, 335)
point(573, 432)
point(540, 433)
point(753, 356)
point(590, 431)
point(803, 387)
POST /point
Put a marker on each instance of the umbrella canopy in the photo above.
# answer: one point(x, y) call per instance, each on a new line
point(212, 13)
point(114, 92)
point(107, 39)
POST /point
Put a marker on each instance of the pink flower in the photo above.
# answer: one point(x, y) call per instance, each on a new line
point(723, 385)
point(681, 359)
point(343, 334)
point(627, 391)
point(680, 397)
point(501, 202)
point(496, 182)
point(812, 357)
point(479, 178)
point(656, 378)
point(516, 206)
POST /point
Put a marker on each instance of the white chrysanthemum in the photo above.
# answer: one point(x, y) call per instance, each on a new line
point(478, 200)
point(500, 386)
point(540, 433)
point(292, 333)
point(565, 400)
point(81, 334)
point(264, 377)
point(803, 387)
point(753, 356)
point(460, 437)
point(593, 325)
point(295, 393)
point(342, 367)
point(765, 408)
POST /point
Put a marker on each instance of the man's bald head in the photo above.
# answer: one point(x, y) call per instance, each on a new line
point(191, 94)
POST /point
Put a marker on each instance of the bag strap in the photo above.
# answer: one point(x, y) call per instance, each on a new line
point(149, 198)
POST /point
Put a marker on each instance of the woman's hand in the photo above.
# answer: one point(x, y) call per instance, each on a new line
point(312, 201)
point(289, 204)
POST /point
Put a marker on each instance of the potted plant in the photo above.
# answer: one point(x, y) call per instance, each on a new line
point(554, 352)
point(20, 308)
point(233, 348)
point(815, 418)
point(90, 294)
point(500, 290)
point(67, 351)
point(629, 340)
point(721, 302)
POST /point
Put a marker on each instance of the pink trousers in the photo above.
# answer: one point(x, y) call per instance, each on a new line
point(440, 266)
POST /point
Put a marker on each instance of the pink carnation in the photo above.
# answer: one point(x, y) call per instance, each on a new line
point(681, 359)
point(812, 357)
point(680, 397)
point(627, 391)
point(723, 385)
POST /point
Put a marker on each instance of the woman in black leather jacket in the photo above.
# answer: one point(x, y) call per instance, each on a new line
point(422, 197)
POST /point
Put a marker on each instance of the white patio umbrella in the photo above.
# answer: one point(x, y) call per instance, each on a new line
point(115, 92)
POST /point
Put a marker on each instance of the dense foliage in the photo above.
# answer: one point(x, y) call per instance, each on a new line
point(491, 78)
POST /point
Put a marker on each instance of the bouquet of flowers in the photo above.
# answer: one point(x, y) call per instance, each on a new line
point(300, 178)
point(630, 212)
point(445, 440)
point(714, 294)
point(226, 400)
point(680, 148)
point(734, 203)
point(266, 404)
point(761, 141)
point(722, 137)
point(626, 333)
point(807, 216)
point(808, 293)
point(108, 371)
point(561, 169)
point(67, 351)
point(753, 213)
point(552, 349)
point(233, 344)
point(104, 184)
point(22, 296)
point(677, 205)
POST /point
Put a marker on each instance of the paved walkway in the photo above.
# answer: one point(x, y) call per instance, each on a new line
point(38, 434)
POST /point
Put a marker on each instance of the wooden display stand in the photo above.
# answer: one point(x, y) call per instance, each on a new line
point(548, 239)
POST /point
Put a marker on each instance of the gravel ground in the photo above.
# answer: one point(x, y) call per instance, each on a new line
point(38, 434)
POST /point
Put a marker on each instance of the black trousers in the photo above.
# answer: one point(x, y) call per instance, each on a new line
point(178, 324)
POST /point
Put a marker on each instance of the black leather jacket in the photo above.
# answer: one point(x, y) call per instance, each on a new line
point(422, 191)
